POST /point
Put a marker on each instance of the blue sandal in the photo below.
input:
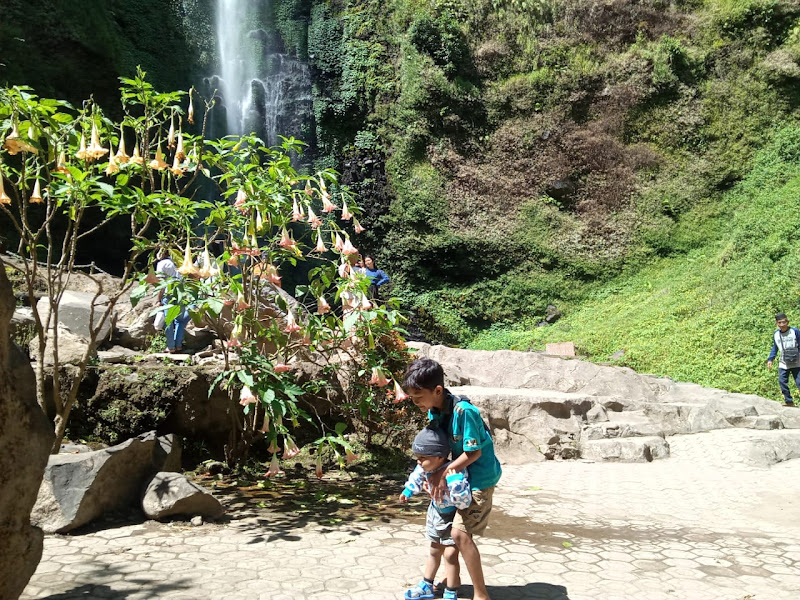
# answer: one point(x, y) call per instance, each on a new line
point(422, 591)
point(450, 595)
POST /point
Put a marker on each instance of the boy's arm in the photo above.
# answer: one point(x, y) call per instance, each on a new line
point(458, 488)
point(414, 483)
point(382, 278)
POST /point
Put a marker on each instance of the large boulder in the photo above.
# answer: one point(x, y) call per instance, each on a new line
point(79, 315)
point(78, 488)
point(171, 494)
point(25, 441)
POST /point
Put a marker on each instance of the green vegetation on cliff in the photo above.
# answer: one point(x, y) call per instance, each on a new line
point(511, 154)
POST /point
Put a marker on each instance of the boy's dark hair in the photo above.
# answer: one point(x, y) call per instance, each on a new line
point(780, 316)
point(423, 374)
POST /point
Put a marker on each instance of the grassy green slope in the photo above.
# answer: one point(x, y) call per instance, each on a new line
point(705, 316)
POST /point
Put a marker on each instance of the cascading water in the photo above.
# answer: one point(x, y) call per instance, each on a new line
point(261, 88)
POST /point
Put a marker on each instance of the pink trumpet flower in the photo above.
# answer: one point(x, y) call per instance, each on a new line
point(327, 205)
point(399, 393)
point(318, 469)
point(357, 226)
point(322, 306)
point(271, 271)
point(346, 214)
point(274, 467)
point(291, 324)
point(286, 241)
point(365, 303)
point(348, 248)
point(313, 219)
point(241, 303)
point(320, 247)
point(297, 214)
point(378, 378)
point(241, 198)
point(309, 190)
point(265, 426)
point(281, 368)
point(273, 447)
point(151, 277)
point(290, 449)
point(350, 456)
point(234, 342)
point(246, 396)
point(338, 243)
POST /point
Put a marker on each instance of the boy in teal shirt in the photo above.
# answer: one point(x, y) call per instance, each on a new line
point(472, 448)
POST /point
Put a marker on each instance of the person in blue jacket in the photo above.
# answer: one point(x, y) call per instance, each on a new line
point(787, 340)
point(376, 277)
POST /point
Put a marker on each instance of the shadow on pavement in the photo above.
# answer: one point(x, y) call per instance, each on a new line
point(529, 591)
point(129, 584)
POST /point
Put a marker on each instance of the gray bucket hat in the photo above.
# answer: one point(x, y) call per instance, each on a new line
point(431, 442)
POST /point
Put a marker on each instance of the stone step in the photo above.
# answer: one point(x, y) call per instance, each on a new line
point(633, 449)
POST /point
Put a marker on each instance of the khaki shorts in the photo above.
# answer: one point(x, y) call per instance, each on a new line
point(475, 517)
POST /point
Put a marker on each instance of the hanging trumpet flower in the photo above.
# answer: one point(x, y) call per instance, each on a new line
point(308, 189)
point(4, 199)
point(188, 267)
point(61, 163)
point(171, 132)
point(137, 158)
point(318, 467)
point(287, 241)
point(297, 214)
point(36, 195)
point(246, 396)
point(399, 393)
point(158, 163)
point(274, 467)
point(179, 152)
point(265, 426)
point(241, 198)
point(348, 249)
point(177, 170)
point(378, 378)
point(208, 269)
point(14, 144)
point(313, 219)
point(357, 226)
point(346, 214)
point(95, 149)
point(290, 449)
point(112, 167)
point(350, 456)
point(241, 303)
point(291, 324)
point(322, 306)
point(190, 112)
point(82, 153)
point(338, 242)
point(121, 156)
point(327, 205)
point(320, 247)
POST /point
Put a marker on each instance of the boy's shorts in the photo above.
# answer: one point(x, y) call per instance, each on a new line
point(475, 517)
point(438, 526)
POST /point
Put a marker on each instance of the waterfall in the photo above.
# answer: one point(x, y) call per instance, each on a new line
point(261, 88)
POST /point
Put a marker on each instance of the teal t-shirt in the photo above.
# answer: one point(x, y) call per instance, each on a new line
point(467, 433)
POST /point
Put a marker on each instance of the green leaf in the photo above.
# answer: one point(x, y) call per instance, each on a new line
point(215, 305)
point(566, 544)
point(340, 428)
point(106, 188)
point(138, 293)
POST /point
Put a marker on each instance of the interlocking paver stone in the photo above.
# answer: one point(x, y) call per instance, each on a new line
point(692, 526)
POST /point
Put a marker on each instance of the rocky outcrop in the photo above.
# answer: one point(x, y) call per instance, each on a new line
point(559, 408)
point(78, 488)
point(171, 494)
point(25, 440)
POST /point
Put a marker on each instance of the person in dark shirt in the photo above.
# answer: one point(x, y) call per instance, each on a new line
point(376, 277)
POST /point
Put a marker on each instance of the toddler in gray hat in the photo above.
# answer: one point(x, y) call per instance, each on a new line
point(432, 449)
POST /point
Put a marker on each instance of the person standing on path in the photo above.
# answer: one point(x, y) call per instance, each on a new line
point(787, 340)
point(176, 329)
point(472, 448)
point(377, 278)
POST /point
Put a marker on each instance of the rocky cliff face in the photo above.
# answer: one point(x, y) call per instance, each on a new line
point(25, 441)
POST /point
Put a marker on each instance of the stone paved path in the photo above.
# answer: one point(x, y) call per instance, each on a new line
point(693, 527)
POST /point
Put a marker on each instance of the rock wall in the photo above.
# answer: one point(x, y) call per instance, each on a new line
point(25, 441)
